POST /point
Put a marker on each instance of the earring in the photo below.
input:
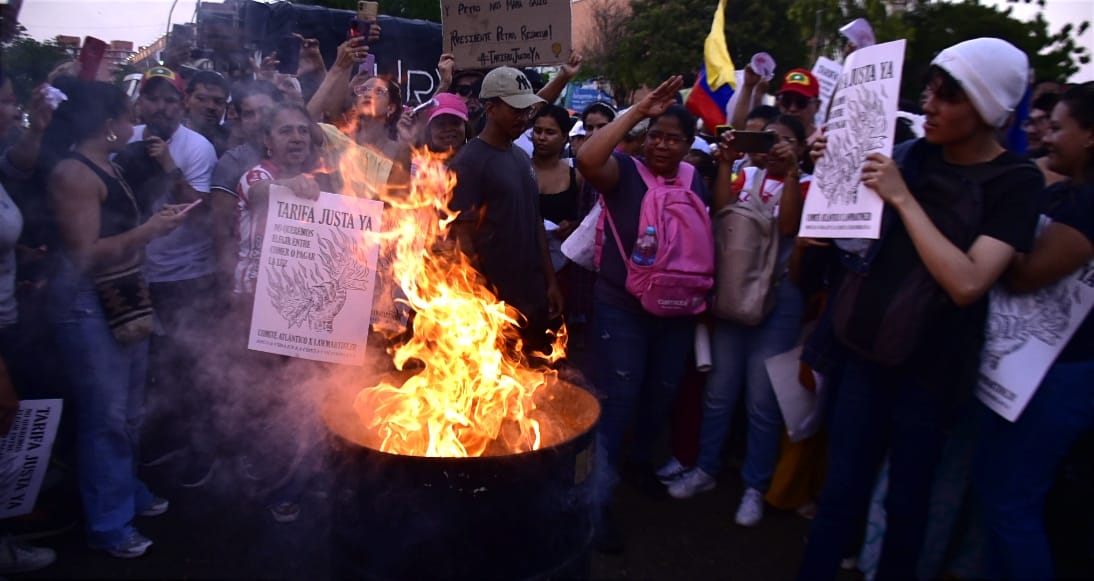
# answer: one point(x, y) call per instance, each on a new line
point(111, 137)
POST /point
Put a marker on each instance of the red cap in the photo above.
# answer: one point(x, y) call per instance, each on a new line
point(802, 82)
point(164, 73)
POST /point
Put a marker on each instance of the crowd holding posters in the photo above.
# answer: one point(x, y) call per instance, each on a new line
point(509, 33)
point(861, 121)
point(313, 297)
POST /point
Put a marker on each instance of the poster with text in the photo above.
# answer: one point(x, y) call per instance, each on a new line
point(861, 121)
point(827, 72)
point(1025, 334)
point(24, 454)
point(313, 297)
point(488, 34)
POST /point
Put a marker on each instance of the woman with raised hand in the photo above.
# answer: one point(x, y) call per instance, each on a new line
point(1017, 462)
point(100, 307)
point(958, 209)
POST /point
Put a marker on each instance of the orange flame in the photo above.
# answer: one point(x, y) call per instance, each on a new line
point(474, 394)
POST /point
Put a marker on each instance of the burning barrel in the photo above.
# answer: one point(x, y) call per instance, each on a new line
point(502, 515)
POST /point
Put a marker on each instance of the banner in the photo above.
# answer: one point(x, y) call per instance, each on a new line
point(861, 121)
point(487, 34)
point(24, 454)
point(1025, 334)
point(313, 297)
point(827, 72)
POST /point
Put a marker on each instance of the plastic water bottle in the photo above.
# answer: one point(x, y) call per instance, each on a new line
point(645, 248)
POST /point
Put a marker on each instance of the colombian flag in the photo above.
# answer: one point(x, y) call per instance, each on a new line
point(710, 95)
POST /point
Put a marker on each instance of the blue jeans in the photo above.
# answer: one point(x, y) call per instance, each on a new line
point(878, 410)
point(639, 361)
point(738, 354)
point(107, 379)
point(1016, 465)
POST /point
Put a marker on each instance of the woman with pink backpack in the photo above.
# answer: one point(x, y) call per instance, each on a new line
point(642, 331)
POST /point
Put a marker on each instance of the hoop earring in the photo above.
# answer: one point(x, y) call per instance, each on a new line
point(111, 137)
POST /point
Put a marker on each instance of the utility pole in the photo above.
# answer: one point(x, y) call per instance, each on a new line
point(817, 34)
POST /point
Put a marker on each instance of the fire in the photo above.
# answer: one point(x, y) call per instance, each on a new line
point(474, 394)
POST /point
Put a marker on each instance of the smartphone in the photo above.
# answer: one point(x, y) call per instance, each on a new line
point(753, 141)
point(720, 129)
point(288, 54)
point(91, 56)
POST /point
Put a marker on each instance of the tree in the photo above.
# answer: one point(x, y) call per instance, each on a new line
point(28, 62)
point(666, 38)
point(420, 9)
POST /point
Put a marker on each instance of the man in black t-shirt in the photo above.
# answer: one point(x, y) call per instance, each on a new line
point(500, 226)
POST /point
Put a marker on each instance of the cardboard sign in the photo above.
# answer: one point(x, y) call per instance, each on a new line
point(488, 34)
point(313, 297)
point(861, 121)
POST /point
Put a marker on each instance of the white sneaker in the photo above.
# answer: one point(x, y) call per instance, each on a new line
point(691, 483)
point(672, 470)
point(18, 557)
point(752, 508)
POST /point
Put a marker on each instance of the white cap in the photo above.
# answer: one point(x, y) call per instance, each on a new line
point(993, 73)
point(578, 130)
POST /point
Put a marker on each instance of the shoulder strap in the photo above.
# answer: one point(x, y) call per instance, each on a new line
point(604, 213)
point(685, 175)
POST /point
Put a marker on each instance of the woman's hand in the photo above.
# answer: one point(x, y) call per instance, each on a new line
point(786, 153)
point(752, 78)
point(39, 110)
point(565, 228)
point(303, 186)
point(726, 152)
point(407, 129)
point(820, 145)
point(572, 67)
point(882, 175)
point(268, 68)
point(446, 67)
point(663, 97)
point(311, 59)
point(351, 52)
point(165, 221)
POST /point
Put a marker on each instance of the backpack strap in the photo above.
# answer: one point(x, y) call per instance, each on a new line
point(685, 175)
point(605, 214)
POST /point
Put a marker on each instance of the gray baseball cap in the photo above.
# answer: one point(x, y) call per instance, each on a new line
point(509, 85)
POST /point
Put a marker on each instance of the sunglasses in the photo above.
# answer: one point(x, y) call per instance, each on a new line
point(467, 90)
point(794, 100)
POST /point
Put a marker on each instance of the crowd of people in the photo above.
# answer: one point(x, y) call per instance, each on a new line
point(131, 234)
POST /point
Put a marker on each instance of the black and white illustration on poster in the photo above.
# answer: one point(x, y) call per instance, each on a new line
point(861, 121)
point(313, 297)
point(24, 454)
point(1025, 334)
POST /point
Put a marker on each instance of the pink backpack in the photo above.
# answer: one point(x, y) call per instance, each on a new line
point(682, 274)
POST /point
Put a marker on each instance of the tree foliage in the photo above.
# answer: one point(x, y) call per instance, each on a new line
point(419, 9)
point(28, 62)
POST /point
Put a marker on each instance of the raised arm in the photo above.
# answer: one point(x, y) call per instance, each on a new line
point(553, 90)
point(595, 160)
point(329, 99)
point(744, 102)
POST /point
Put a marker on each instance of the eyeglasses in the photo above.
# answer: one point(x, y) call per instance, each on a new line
point(793, 101)
point(669, 139)
point(467, 90)
point(362, 90)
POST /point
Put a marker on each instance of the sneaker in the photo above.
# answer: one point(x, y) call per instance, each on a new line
point(19, 557)
point(691, 483)
point(131, 548)
point(672, 470)
point(157, 507)
point(752, 508)
point(285, 512)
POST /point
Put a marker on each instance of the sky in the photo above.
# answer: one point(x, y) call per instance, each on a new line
point(143, 21)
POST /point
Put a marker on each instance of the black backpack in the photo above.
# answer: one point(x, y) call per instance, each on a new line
point(888, 304)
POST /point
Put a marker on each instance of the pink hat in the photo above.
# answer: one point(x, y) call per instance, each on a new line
point(448, 104)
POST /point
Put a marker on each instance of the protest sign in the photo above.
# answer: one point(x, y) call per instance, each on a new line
point(1025, 334)
point(861, 121)
point(24, 454)
point(506, 33)
point(827, 72)
point(313, 296)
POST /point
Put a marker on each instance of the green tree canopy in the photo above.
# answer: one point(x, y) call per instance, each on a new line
point(28, 62)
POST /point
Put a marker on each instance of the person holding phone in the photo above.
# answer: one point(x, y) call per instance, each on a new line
point(739, 351)
point(102, 233)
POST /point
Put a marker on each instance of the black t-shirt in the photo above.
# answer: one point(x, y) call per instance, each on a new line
point(625, 205)
point(1073, 205)
point(497, 189)
point(1009, 215)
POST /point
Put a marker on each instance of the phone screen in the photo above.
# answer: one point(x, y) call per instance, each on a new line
point(753, 141)
point(288, 55)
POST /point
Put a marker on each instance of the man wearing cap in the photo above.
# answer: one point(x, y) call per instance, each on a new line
point(496, 193)
point(179, 267)
point(798, 96)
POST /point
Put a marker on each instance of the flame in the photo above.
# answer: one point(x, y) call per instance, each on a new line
point(475, 392)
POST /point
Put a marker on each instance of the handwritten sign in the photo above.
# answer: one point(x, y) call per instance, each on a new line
point(861, 121)
point(506, 33)
point(1026, 333)
point(24, 454)
point(313, 296)
point(827, 72)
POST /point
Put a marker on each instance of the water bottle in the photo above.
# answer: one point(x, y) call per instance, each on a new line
point(645, 248)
